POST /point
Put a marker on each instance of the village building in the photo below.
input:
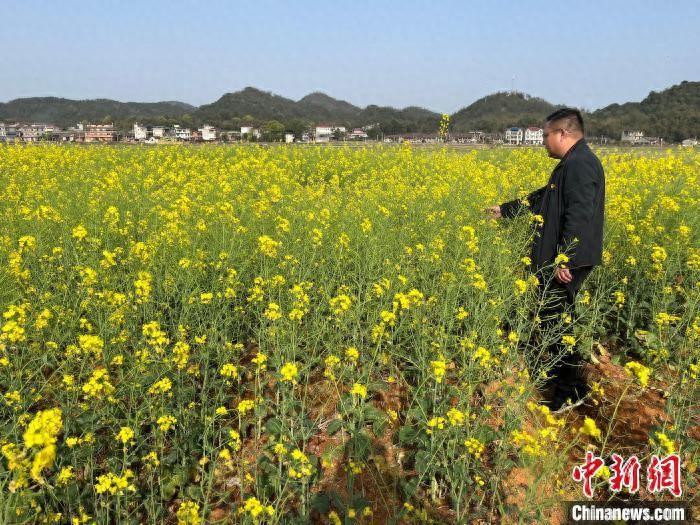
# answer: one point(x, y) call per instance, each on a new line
point(632, 136)
point(324, 132)
point(534, 135)
point(514, 136)
point(208, 133)
point(100, 133)
point(140, 132)
point(358, 134)
point(250, 132)
point(181, 133)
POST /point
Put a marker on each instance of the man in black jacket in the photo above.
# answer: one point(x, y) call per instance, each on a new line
point(568, 240)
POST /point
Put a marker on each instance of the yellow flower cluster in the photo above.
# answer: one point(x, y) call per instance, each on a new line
point(664, 442)
point(359, 390)
point(589, 428)
point(113, 484)
point(188, 513)
point(289, 373)
point(439, 369)
point(162, 386)
point(641, 372)
point(474, 447)
point(256, 510)
point(539, 442)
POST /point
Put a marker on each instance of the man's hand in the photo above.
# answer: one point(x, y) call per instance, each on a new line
point(493, 212)
point(563, 275)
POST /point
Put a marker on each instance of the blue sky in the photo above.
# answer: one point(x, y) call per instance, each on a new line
point(439, 55)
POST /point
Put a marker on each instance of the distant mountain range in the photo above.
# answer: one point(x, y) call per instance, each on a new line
point(673, 113)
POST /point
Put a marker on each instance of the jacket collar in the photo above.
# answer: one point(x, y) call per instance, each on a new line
point(577, 145)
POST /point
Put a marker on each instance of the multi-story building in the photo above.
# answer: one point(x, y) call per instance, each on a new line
point(514, 136)
point(250, 132)
point(100, 133)
point(181, 133)
point(208, 133)
point(534, 135)
point(140, 132)
point(358, 134)
point(632, 136)
point(30, 132)
point(324, 132)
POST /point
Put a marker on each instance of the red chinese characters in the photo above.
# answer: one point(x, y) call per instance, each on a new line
point(662, 474)
point(665, 474)
point(586, 472)
point(624, 474)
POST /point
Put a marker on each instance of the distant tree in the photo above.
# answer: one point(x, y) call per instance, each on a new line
point(338, 134)
point(374, 133)
point(298, 127)
point(273, 131)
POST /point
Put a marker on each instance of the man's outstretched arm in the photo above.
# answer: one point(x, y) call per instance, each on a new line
point(515, 207)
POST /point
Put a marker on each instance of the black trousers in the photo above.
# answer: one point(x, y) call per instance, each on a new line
point(558, 301)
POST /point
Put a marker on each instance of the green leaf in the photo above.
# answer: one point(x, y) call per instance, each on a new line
point(407, 435)
point(360, 446)
point(408, 487)
point(274, 426)
point(379, 426)
point(321, 503)
point(372, 413)
point(334, 426)
point(422, 461)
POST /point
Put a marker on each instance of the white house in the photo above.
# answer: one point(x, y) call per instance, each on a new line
point(159, 132)
point(30, 133)
point(181, 133)
point(358, 134)
point(208, 133)
point(140, 132)
point(250, 131)
point(534, 135)
point(514, 136)
point(633, 136)
point(324, 132)
point(289, 138)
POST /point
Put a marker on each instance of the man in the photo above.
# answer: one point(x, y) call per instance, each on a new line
point(571, 207)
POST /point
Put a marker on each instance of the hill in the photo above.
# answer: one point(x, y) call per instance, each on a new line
point(320, 106)
point(494, 113)
point(65, 112)
point(673, 114)
point(251, 104)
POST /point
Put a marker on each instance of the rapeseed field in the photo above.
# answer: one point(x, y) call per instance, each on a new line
point(256, 334)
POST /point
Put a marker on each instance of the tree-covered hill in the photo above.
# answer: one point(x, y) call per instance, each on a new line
point(673, 113)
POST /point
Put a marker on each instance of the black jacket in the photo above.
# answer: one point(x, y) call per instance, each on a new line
point(572, 206)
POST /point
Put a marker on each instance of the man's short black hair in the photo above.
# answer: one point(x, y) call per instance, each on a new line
point(570, 119)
